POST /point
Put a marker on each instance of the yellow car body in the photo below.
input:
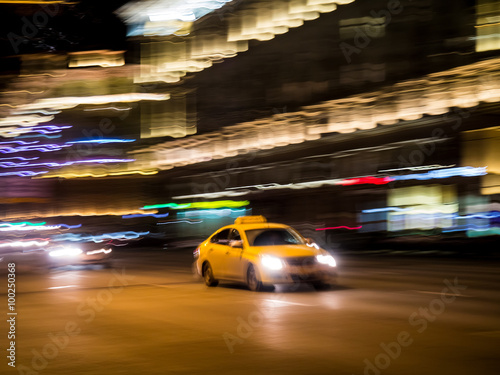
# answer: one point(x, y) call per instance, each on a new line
point(258, 253)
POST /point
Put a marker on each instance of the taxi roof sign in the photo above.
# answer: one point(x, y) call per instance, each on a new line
point(250, 219)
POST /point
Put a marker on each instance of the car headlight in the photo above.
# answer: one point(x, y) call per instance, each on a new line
point(326, 259)
point(65, 252)
point(104, 251)
point(273, 263)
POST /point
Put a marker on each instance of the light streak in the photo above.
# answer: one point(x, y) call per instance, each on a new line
point(214, 195)
point(40, 136)
point(467, 227)
point(201, 205)
point(41, 2)
point(23, 228)
point(25, 120)
point(48, 147)
point(133, 216)
point(97, 175)
point(69, 212)
point(22, 223)
point(386, 209)
point(42, 130)
point(175, 206)
point(65, 164)
point(24, 243)
point(340, 227)
point(433, 174)
point(107, 108)
point(444, 173)
point(104, 251)
point(418, 168)
point(22, 173)
point(181, 221)
point(214, 213)
point(22, 143)
point(42, 111)
point(21, 158)
point(52, 127)
point(366, 180)
point(103, 141)
point(68, 102)
point(126, 235)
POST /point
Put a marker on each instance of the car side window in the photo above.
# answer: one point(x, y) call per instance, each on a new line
point(221, 238)
point(234, 235)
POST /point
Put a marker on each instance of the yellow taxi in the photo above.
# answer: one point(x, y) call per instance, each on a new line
point(261, 254)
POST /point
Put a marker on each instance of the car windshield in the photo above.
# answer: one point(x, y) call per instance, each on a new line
point(272, 237)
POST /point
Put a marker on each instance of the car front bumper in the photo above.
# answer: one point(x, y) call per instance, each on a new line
point(81, 259)
point(293, 275)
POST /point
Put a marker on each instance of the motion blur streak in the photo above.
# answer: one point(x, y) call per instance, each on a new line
point(345, 115)
point(214, 213)
point(25, 243)
point(214, 204)
point(340, 227)
point(76, 237)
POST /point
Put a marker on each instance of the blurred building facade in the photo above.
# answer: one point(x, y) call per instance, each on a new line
point(358, 122)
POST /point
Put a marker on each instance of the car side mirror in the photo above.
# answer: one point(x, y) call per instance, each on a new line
point(311, 243)
point(236, 244)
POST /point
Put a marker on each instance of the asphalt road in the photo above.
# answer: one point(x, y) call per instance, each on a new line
point(149, 315)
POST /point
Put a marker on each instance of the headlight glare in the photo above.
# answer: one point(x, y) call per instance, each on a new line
point(271, 262)
point(65, 252)
point(104, 251)
point(326, 259)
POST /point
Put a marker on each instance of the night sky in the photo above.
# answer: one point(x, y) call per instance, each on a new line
point(86, 25)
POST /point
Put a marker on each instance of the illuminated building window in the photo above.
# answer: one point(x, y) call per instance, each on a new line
point(103, 58)
point(464, 87)
point(106, 86)
point(487, 25)
point(174, 118)
point(482, 147)
point(422, 207)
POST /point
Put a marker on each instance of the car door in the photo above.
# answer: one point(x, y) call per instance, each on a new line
point(216, 253)
point(234, 262)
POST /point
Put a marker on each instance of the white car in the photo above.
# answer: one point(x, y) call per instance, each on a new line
point(79, 254)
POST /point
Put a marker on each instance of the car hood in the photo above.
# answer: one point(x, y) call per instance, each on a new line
point(284, 251)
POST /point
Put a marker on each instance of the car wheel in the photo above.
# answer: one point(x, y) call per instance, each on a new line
point(208, 275)
point(253, 281)
point(268, 287)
